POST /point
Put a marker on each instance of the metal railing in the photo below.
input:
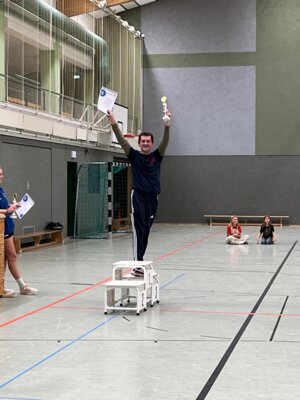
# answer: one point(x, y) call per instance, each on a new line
point(29, 93)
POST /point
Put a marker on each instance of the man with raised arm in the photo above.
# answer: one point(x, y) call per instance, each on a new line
point(145, 166)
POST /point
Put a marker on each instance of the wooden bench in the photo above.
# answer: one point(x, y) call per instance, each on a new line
point(38, 240)
point(243, 219)
point(121, 224)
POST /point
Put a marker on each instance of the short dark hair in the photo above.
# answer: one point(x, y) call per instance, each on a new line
point(146, 134)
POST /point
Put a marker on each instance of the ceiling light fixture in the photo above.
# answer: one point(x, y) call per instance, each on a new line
point(103, 6)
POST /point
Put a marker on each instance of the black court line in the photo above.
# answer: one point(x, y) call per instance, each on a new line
point(157, 329)
point(278, 319)
point(206, 388)
point(216, 337)
point(216, 270)
point(82, 284)
point(206, 339)
point(216, 292)
point(287, 341)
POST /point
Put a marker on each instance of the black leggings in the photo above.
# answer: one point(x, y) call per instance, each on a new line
point(144, 207)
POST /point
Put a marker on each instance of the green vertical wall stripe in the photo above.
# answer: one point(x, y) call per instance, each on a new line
point(2, 55)
point(198, 60)
point(133, 17)
point(278, 77)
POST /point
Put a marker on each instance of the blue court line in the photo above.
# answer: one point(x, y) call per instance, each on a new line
point(2, 385)
point(173, 280)
point(18, 398)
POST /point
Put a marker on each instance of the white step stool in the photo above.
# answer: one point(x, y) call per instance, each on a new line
point(123, 287)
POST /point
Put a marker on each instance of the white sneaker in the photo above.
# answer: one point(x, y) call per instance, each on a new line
point(8, 292)
point(28, 290)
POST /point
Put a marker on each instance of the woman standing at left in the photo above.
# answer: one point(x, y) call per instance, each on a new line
point(9, 247)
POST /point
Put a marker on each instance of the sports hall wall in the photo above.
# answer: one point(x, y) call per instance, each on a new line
point(231, 72)
point(41, 168)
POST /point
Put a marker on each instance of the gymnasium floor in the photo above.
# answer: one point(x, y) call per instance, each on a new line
point(227, 325)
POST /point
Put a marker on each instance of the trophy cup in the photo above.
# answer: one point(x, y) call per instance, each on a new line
point(166, 117)
point(164, 104)
point(14, 215)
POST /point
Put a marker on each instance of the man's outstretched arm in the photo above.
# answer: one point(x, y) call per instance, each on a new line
point(166, 135)
point(120, 138)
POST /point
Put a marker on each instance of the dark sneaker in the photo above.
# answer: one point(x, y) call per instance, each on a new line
point(138, 272)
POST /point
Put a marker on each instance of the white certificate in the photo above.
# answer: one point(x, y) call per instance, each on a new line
point(106, 99)
point(26, 204)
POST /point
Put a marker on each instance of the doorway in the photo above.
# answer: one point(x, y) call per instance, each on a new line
point(71, 196)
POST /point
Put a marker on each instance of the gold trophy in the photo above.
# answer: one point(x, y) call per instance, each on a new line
point(164, 104)
point(14, 215)
point(166, 116)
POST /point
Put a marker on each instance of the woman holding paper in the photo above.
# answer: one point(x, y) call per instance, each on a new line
point(9, 247)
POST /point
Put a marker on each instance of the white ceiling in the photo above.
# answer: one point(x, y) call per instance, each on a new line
point(121, 8)
point(128, 6)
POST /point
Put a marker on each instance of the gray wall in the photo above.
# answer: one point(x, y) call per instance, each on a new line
point(215, 60)
point(40, 169)
point(213, 109)
point(213, 106)
point(255, 185)
point(230, 70)
point(199, 26)
point(28, 169)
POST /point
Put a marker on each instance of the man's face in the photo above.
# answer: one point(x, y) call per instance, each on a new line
point(146, 144)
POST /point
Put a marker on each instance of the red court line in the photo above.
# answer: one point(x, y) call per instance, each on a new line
point(77, 308)
point(170, 253)
point(9, 322)
point(3, 324)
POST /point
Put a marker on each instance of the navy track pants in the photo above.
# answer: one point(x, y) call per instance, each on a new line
point(143, 208)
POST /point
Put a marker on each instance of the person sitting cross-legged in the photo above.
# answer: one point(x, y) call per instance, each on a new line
point(234, 232)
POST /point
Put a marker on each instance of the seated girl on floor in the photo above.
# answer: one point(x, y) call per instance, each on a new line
point(234, 232)
point(267, 232)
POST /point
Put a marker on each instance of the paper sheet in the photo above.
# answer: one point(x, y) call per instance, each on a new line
point(26, 204)
point(106, 99)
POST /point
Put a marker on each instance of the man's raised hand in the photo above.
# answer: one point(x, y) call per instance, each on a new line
point(167, 118)
point(111, 117)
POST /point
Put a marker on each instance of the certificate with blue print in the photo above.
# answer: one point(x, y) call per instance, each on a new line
point(26, 205)
point(106, 99)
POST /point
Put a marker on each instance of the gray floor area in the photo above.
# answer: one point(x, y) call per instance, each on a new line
point(227, 326)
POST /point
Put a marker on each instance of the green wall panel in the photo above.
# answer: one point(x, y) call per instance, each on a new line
point(198, 60)
point(278, 77)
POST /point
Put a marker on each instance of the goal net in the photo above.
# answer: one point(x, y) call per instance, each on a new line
point(94, 199)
